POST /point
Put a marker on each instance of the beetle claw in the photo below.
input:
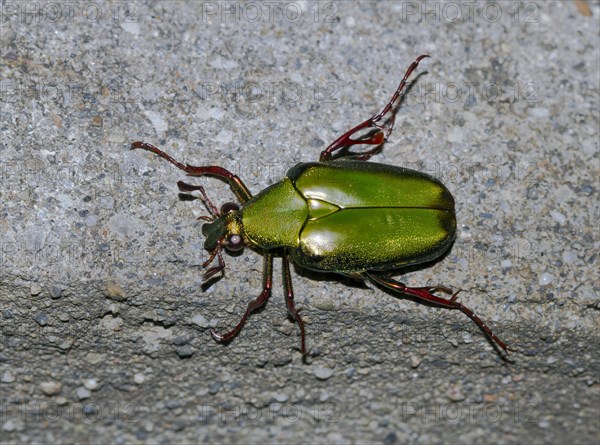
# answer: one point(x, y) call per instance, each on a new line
point(218, 337)
point(455, 295)
point(437, 288)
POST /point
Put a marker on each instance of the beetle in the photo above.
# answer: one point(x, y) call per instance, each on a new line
point(341, 214)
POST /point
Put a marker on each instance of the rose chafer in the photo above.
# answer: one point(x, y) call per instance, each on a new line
point(341, 214)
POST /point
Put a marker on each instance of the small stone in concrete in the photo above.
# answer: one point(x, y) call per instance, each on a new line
point(83, 393)
point(323, 373)
point(51, 388)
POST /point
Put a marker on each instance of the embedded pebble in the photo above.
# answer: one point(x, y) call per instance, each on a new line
point(280, 397)
point(200, 320)
point(83, 393)
point(9, 426)
point(41, 319)
point(390, 439)
point(543, 423)
point(324, 396)
point(35, 289)
point(56, 292)
point(569, 257)
point(66, 344)
point(90, 384)
point(185, 352)
point(8, 377)
point(558, 217)
point(455, 393)
point(114, 291)
point(131, 27)
point(94, 358)
point(323, 373)
point(539, 112)
point(139, 378)
point(415, 361)
point(506, 264)
point(224, 136)
point(455, 135)
point(160, 125)
point(50, 388)
point(546, 278)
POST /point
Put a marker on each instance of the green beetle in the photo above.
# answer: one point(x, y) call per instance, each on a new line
point(341, 214)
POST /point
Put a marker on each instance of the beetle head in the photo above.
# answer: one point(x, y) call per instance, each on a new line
point(225, 230)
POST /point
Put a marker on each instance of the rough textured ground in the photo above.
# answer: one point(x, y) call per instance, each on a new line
point(104, 327)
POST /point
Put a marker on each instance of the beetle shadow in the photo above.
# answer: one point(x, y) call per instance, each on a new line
point(186, 197)
point(314, 275)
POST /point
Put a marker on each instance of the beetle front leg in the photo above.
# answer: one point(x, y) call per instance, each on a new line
point(238, 188)
point(289, 300)
point(253, 305)
point(427, 294)
point(380, 131)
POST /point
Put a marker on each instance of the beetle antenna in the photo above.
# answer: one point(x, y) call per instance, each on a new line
point(237, 186)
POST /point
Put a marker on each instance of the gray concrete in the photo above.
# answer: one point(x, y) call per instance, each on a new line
point(104, 323)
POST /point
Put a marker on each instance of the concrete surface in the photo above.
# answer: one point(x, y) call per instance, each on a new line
point(104, 323)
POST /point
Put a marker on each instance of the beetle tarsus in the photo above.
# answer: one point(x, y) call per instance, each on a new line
point(427, 294)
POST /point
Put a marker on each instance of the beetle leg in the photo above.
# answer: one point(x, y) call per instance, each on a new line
point(254, 304)
point(427, 294)
point(215, 269)
point(381, 131)
point(289, 300)
point(238, 188)
point(187, 188)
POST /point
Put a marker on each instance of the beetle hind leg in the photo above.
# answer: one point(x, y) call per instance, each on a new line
point(428, 294)
point(379, 131)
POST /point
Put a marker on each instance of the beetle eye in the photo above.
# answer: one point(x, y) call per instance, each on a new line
point(229, 207)
point(235, 243)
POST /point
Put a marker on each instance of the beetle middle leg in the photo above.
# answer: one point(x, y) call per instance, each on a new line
point(289, 300)
point(254, 304)
point(428, 294)
point(380, 132)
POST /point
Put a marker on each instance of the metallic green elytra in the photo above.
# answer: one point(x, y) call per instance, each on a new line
point(352, 216)
point(342, 215)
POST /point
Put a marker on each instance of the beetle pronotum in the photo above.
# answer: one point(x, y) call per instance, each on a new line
point(341, 214)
